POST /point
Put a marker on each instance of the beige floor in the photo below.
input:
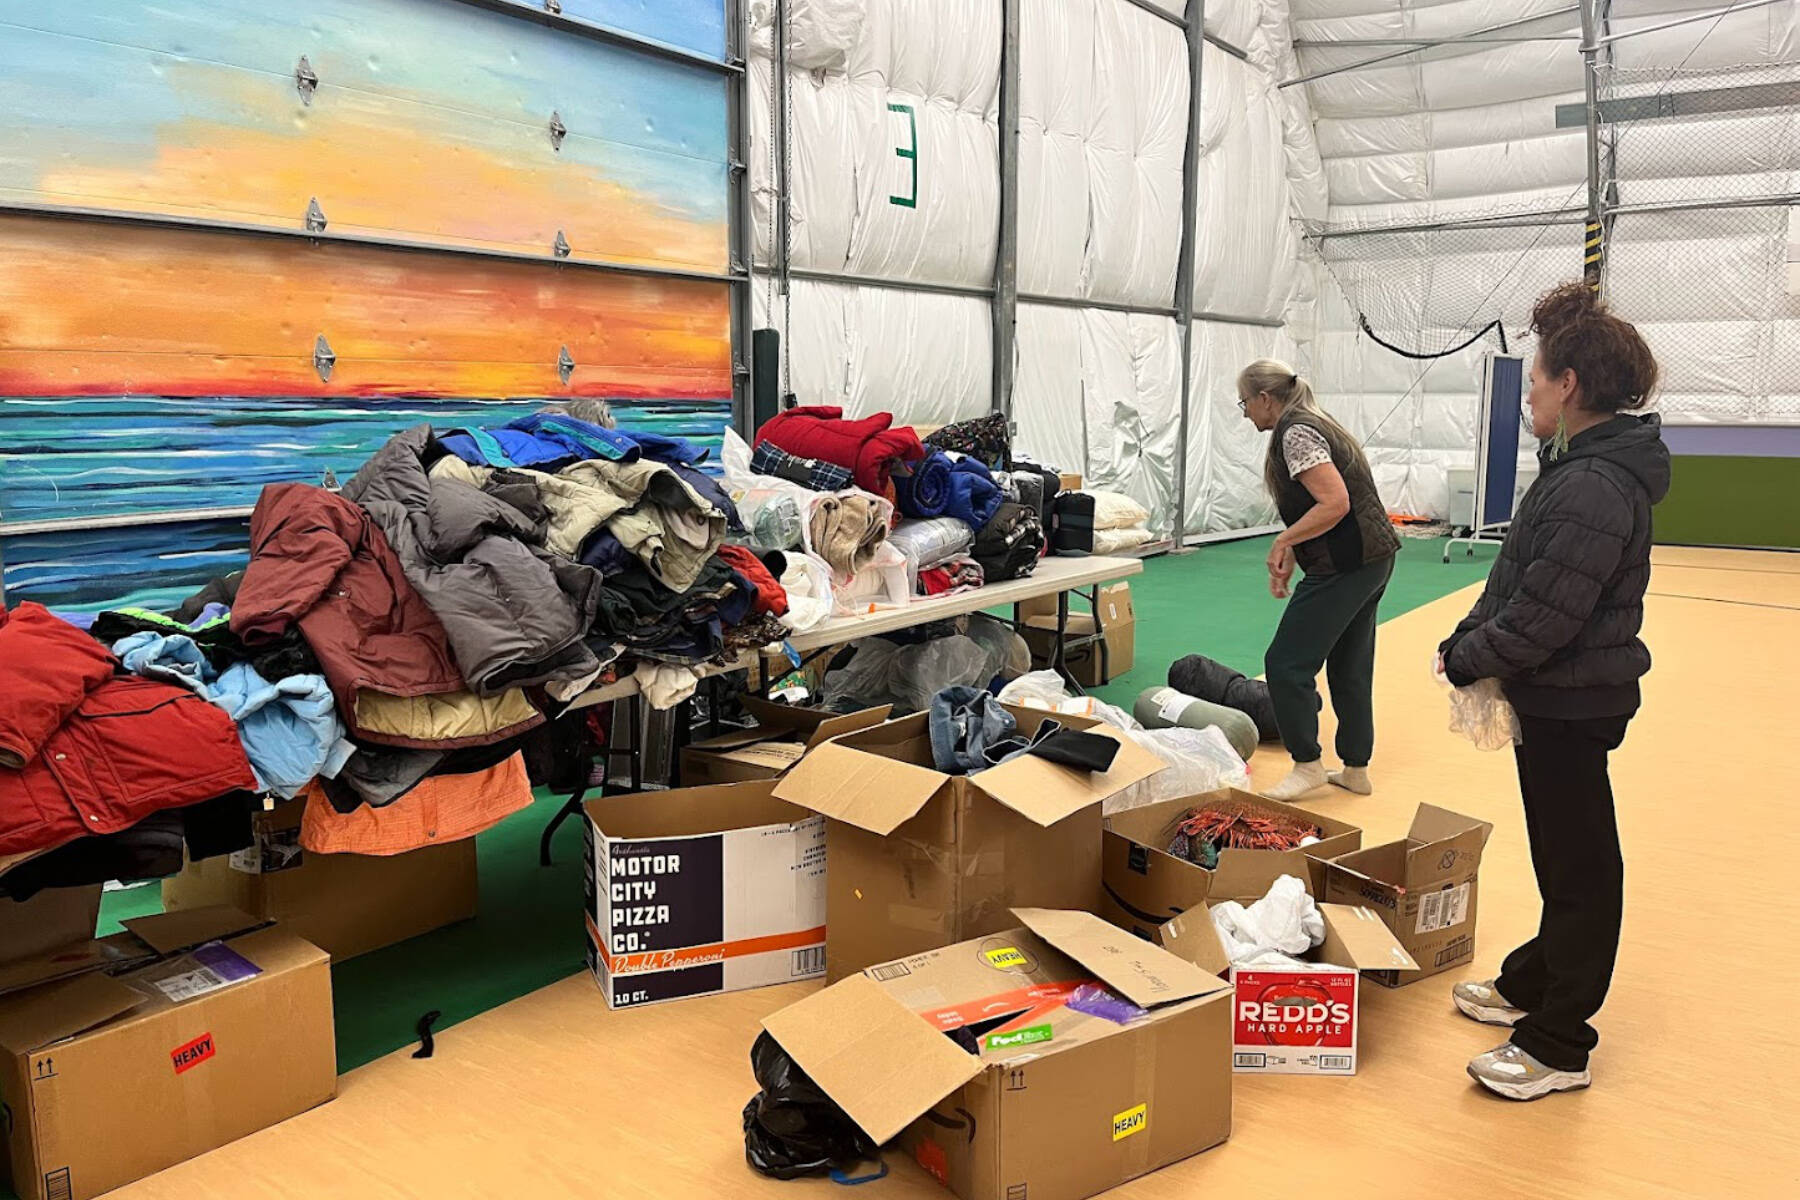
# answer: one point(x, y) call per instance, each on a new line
point(1694, 1093)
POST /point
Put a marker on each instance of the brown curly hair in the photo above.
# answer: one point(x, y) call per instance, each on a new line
point(1612, 363)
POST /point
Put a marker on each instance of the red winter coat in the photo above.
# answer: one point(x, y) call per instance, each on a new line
point(868, 447)
point(320, 562)
point(84, 751)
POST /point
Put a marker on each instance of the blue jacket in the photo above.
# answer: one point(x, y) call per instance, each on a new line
point(546, 441)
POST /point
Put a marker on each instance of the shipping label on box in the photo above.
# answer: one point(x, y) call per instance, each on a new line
point(673, 917)
point(1294, 1020)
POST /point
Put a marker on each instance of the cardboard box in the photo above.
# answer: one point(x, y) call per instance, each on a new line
point(1292, 1020)
point(108, 1079)
point(1071, 481)
point(781, 735)
point(53, 918)
point(1424, 887)
point(702, 890)
point(1145, 885)
point(921, 859)
point(1061, 1103)
point(345, 904)
point(1113, 616)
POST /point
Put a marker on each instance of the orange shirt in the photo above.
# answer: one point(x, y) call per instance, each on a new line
point(443, 808)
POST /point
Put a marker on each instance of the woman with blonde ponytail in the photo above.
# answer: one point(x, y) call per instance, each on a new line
point(1339, 536)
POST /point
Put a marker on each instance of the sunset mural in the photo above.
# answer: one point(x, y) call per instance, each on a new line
point(149, 370)
point(430, 121)
point(90, 310)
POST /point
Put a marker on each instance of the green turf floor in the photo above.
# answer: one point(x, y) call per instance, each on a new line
point(529, 929)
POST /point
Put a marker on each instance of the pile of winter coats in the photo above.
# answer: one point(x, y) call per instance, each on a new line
point(917, 518)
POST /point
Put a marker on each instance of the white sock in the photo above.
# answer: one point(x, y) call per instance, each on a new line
point(1306, 777)
point(1353, 779)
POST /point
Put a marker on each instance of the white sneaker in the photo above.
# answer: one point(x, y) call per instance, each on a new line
point(1483, 1002)
point(1509, 1071)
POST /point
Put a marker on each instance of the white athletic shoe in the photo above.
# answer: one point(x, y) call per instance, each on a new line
point(1509, 1071)
point(1483, 1002)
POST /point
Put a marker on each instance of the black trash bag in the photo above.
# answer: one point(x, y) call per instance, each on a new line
point(793, 1129)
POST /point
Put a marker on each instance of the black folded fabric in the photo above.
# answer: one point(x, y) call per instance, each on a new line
point(1075, 748)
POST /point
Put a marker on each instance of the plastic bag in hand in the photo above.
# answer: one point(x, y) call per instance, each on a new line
point(792, 1128)
point(1481, 713)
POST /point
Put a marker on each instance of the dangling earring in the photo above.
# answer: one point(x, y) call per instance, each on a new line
point(1559, 442)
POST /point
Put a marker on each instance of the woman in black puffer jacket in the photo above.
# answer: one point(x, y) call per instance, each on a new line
point(1558, 626)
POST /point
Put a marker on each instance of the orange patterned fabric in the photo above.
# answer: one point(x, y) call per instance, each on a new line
point(444, 808)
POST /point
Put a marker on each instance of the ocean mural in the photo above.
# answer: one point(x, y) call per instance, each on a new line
point(154, 371)
point(428, 121)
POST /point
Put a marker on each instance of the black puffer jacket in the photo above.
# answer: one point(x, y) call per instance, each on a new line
point(1558, 624)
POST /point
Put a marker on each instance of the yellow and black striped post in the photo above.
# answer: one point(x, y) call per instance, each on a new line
point(1592, 253)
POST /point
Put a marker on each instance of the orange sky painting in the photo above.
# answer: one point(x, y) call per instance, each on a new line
point(111, 310)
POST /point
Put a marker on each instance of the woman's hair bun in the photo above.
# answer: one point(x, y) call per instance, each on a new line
point(1563, 306)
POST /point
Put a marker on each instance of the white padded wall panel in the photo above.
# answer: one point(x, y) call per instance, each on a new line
point(1135, 150)
point(822, 194)
point(1047, 387)
point(1233, 21)
point(1103, 127)
point(1225, 452)
point(926, 358)
point(1245, 245)
point(924, 97)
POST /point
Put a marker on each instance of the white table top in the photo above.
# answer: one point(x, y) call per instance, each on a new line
point(1054, 574)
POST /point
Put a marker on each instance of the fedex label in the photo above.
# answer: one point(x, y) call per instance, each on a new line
point(1301, 1021)
point(186, 1057)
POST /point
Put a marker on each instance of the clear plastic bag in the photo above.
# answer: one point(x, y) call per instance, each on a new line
point(1045, 690)
point(1481, 713)
point(1200, 761)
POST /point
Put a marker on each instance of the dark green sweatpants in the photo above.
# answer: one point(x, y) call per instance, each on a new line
point(1330, 623)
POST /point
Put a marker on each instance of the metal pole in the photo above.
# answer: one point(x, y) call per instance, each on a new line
point(778, 87)
point(1006, 256)
point(1161, 13)
point(1473, 33)
point(1184, 271)
point(742, 312)
point(1518, 220)
point(1593, 243)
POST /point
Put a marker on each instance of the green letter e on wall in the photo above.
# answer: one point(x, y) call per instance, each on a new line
point(910, 154)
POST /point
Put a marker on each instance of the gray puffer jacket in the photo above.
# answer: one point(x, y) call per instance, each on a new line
point(515, 614)
point(1558, 624)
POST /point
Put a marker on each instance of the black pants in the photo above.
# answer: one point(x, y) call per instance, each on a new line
point(1329, 622)
point(1560, 977)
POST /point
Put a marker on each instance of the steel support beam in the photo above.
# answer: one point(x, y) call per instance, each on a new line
point(1006, 257)
point(904, 285)
point(1778, 200)
point(783, 246)
point(1184, 270)
point(1594, 243)
point(1142, 310)
point(1430, 43)
point(1519, 220)
point(1503, 26)
point(743, 320)
point(1155, 11)
point(1667, 105)
point(1237, 52)
point(538, 14)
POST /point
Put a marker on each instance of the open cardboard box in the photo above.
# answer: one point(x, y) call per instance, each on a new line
point(1145, 885)
point(1290, 1021)
point(921, 859)
point(345, 904)
point(1424, 887)
point(1062, 1102)
point(696, 891)
point(112, 1077)
point(781, 735)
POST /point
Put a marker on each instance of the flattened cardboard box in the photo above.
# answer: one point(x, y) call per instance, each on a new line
point(782, 734)
point(345, 904)
point(702, 890)
point(921, 859)
point(1424, 887)
point(109, 1079)
point(1076, 1089)
point(1146, 886)
point(1292, 1020)
point(50, 920)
